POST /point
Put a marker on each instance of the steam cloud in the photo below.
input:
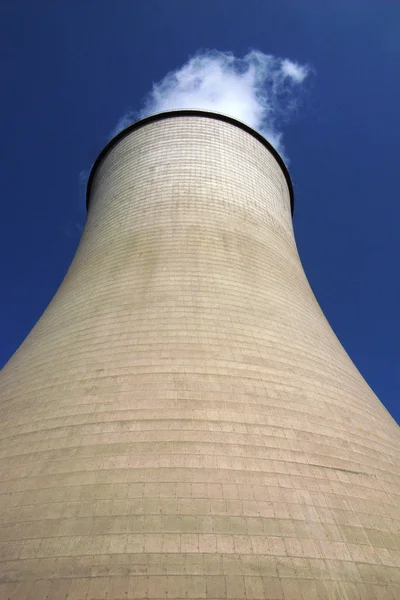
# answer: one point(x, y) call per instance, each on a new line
point(259, 89)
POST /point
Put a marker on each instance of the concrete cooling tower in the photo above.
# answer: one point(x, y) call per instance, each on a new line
point(182, 422)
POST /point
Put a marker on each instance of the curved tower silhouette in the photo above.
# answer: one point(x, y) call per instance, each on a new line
point(182, 422)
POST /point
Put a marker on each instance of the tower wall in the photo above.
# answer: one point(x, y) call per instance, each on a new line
point(182, 422)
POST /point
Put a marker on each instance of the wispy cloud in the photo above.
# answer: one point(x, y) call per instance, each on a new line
point(259, 89)
point(294, 71)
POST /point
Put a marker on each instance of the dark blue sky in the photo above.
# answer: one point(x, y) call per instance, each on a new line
point(70, 70)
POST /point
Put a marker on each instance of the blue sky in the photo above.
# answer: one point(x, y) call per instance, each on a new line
point(71, 70)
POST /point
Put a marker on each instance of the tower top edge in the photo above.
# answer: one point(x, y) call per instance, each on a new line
point(171, 114)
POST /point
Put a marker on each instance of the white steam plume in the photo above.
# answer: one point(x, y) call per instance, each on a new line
point(259, 89)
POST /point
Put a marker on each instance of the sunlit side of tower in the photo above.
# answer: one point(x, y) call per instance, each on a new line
point(182, 422)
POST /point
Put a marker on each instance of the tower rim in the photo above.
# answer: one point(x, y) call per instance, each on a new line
point(188, 113)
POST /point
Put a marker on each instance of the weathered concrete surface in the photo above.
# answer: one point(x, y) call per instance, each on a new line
point(182, 422)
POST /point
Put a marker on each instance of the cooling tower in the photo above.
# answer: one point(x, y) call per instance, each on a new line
point(182, 422)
